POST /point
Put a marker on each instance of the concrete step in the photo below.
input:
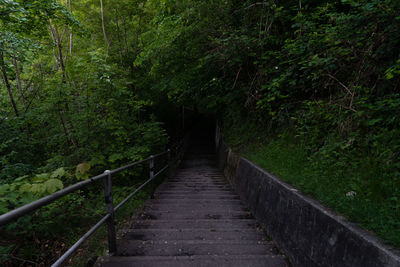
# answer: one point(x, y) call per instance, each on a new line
point(198, 183)
point(209, 224)
point(198, 196)
point(210, 202)
point(197, 173)
point(198, 180)
point(193, 193)
point(195, 206)
point(198, 176)
point(209, 190)
point(197, 261)
point(210, 186)
point(190, 190)
point(193, 234)
point(193, 247)
point(194, 215)
point(196, 186)
point(194, 175)
point(205, 185)
point(195, 220)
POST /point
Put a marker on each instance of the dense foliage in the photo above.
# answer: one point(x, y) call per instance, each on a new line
point(68, 109)
point(84, 84)
point(322, 76)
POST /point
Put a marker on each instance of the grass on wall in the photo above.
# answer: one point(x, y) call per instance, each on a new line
point(352, 184)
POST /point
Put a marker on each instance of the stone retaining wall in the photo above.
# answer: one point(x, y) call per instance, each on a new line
point(308, 233)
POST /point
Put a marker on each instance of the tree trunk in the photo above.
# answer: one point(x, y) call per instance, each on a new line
point(70, 34)
point(103, 26)
point(65, 123)
point(19, 83)
point(59, 48)
point(118, 35)
point(125, 39)
point(70, 43)
point(57, 40)
point(66, 130)
point(7, 84)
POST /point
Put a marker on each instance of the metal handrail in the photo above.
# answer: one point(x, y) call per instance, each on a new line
point(109, 217)
point(21, 211)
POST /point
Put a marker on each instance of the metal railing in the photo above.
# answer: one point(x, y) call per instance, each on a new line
point(108, 196)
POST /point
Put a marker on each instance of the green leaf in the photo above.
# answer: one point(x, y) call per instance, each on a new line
point(389, 75)
point(3, 206)
point(21, 178)
point(374, 121)
point(53, 185)
point(25, 188)
point(97, 160)
point(37, 189)
point(60, 172)
point(82, 170)
point(4, 188)
point(116, 156)
point(41, 177)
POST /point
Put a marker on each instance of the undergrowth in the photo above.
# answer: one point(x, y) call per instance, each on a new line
point(349, 181)
point(40, 238)
point(97, 245)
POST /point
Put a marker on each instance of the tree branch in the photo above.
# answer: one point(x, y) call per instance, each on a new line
point(352, 93)
point(252, 5)
point(237, 76)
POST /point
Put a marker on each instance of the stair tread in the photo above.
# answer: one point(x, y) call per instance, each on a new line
point(193, 234)
point(196, 219)
point(196, 214)
point(177, 207)
point(198, 260)
point(193, 247)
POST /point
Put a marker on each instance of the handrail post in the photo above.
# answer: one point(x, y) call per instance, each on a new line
point(169, 163)
point(151, 168)
point(108, 197)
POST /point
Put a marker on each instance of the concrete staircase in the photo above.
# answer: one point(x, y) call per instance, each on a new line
point(195, 220)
